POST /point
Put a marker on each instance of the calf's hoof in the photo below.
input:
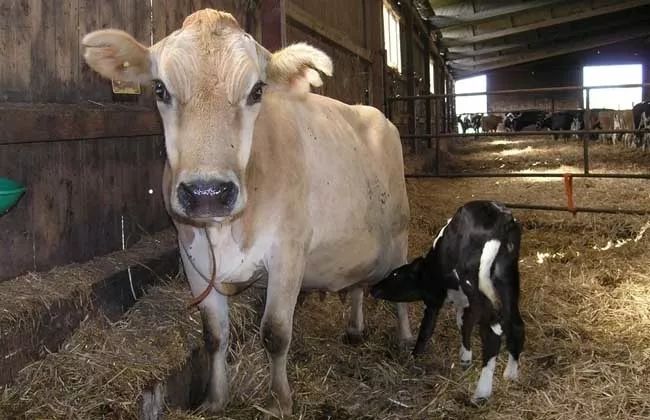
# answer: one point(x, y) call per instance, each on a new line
point(465, 357)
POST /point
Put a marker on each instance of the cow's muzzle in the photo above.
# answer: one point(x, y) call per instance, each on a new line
point(204, 199)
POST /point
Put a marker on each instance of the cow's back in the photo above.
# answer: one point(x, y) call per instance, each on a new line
point(354, 196)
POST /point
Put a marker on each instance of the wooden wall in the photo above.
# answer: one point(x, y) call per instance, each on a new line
point(88, 158)
point(343, 31)
point(91, 159)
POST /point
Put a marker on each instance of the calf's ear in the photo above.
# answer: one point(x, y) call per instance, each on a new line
point(117, 55)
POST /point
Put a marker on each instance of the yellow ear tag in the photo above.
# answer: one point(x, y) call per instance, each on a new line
point(123, 87)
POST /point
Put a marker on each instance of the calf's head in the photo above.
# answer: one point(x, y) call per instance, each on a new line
point(209, 80)
point(403, 284)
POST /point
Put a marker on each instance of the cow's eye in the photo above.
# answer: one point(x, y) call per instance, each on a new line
point(256, 93)
point(161, 92)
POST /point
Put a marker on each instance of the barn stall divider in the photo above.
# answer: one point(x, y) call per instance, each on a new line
point(436, 138)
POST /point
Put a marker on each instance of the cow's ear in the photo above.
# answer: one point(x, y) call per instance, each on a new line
point(117, 55)
point(298, 67)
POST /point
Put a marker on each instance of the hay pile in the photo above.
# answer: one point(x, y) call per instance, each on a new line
point(496, 154)
point(25, 297)
point(587, 314)
point(103, 368)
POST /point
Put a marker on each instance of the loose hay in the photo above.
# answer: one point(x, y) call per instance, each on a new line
point(586, 305)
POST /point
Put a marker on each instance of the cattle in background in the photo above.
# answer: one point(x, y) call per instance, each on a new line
point(518, 121)
point(490, 123)
point(641, 115)
point(468, 121)
point(474, 261)
point(248, 148)
point(561, 120)
point(624, 120)
point(605, 122)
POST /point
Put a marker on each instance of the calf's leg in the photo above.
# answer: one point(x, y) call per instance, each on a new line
point(466, 327)
point(491, 341)
point(428, 322)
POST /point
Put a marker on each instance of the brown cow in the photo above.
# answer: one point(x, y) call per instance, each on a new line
point(489, 123)
point(265, 181)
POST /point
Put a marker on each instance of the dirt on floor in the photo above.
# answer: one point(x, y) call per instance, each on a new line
point(585, 302)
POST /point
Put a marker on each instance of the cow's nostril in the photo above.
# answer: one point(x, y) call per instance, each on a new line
point(185, 195)
point(207, 198)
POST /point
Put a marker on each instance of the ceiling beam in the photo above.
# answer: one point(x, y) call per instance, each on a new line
point(558, 37)
point(555, 50)
point(454, 20)
point(613, 8)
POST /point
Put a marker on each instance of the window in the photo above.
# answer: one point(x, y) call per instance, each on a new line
point(615, 98)
point(474, 103)
point(432, 76)
point(392, 42)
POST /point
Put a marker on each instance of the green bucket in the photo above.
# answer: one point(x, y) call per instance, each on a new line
point(10, 193)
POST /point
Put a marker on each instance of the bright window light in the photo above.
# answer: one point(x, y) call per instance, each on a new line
point(615, 98)
point(432, 76)
point(392, 42)
point(475, 103)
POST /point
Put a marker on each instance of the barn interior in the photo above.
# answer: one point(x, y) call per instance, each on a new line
point(94, 308)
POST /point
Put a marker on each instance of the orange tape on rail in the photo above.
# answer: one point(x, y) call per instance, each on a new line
point(568, 189)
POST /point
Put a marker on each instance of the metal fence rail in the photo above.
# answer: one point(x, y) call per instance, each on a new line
point(436, 136)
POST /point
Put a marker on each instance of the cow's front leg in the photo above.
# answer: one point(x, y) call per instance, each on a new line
point(354, 331)
point(285, 278)
point(216, 327)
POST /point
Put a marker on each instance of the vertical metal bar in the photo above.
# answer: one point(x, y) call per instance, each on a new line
point(585, 138)
point(437, 169)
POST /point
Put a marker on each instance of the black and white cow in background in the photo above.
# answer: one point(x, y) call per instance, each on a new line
point(517, 121)
point(641, 113)
point(467, 121)
point(474, 262)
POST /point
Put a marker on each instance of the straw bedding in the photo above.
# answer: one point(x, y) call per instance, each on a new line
point(585, 301)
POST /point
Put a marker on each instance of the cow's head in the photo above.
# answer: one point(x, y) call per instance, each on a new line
point(209, 79)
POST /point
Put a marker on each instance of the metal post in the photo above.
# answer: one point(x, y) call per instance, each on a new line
point(437, 172)
point(585, 138)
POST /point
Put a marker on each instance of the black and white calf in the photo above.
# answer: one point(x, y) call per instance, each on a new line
point(474, 262)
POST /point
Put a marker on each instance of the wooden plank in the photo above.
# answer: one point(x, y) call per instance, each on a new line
point(67, 51)
point(303, 18)
point(447, 18)
point(555, 50)
point(274, 30)
point(373, 26)
point(109, 284)
point(588, 13)
point(16, 232)
point(27, 123)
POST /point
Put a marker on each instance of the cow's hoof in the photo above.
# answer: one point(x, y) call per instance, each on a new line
point(478, 401)
point(212, 407)
point(407, 343)
point(353, 337)
point(273, 411)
